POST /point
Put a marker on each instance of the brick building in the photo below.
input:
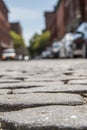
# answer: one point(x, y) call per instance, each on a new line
point(75, 13)
point(50, 20)
point(68, 15)
point(16, 27)
point(86, 10)
point(60, 19)
point(5, 40)
point(55, 21)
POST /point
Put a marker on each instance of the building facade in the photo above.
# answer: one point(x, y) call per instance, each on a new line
point(5, 40)
point(86, 10)
point(60, 25)
point(16, 27)
point(75, 13)
point(68, 15)
point(50, 20)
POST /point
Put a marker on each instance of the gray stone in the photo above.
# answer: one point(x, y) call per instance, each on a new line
point(47, 118)
point(53, 89)
point(5, 91)
point(28, 84)
point(9, 81)
point(80, 82)
point(20, 101)
point(39, 79)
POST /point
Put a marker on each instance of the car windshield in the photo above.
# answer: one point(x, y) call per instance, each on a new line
point(83, 29)
point(56, 45)
point(9, 51)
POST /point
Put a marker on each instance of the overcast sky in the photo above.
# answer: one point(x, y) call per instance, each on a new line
point(30, 13)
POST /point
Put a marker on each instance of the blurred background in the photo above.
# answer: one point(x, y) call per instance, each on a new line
point(43, 29)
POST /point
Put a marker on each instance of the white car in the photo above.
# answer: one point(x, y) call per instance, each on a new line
point(47, 53)
point(83, 29)
point(44, 54)
point(73, 45)
point(56, 46)
point(8, 54)
point(26, 58)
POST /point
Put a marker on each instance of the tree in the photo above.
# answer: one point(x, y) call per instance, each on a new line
point(39, 42)
point(18, 43)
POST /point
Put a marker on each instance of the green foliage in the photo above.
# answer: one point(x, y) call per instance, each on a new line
point(18, 42)
point(39, 42)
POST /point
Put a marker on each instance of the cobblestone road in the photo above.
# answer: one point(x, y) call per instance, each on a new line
point(43, 95)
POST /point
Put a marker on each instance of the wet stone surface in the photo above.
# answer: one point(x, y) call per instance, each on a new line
point(43, 95)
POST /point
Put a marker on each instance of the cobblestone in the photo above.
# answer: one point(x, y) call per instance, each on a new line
point(43, 95)
point(76, 89)
point(14, 102)
point(48, 118)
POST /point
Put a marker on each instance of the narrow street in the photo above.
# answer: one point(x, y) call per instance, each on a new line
point(43, 95)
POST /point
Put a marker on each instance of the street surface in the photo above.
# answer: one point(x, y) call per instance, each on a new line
point(43, 95)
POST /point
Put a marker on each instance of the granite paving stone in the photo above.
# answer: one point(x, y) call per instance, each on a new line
point(47, 118)
point(9, 81)
point(80, 82)
point(20, 101)
point(43, 95)
point(28, 84)
point(5, 91)
point(53, 89)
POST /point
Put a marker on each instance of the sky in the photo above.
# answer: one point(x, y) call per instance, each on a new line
point(30, 13)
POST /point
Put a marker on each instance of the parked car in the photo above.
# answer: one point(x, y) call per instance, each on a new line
point(26, 58)
point(56, 46)
point(74, 45)
point(47, 53)
point(62, 50)
point(44, 54)
point(8, 54)
point(83, 29)
point(20, 57)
